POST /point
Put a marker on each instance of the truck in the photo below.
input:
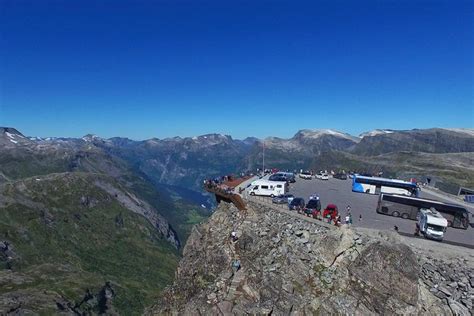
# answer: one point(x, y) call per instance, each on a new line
point(268, 188)
point(432, 224)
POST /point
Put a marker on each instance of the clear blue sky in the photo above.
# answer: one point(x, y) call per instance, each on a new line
point(144, 69)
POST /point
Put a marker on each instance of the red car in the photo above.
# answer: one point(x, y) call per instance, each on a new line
point(330, 211)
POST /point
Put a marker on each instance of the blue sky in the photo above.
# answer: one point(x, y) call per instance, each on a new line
point(143, 69)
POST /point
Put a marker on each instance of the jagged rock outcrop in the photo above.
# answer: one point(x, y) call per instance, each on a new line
point(292, 266)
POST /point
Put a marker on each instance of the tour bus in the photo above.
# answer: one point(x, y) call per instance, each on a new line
point(375, 185)
point(408, 207)
point(268, 188)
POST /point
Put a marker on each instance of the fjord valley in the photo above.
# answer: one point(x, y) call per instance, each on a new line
point(77, 223)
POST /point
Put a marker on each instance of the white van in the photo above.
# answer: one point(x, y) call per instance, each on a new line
point(432, 224)
point(268, 188)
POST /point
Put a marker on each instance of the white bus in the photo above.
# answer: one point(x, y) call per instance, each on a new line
point(375, 185)
point(268, 188)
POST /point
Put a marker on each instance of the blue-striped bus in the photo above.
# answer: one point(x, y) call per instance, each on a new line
point(375, 185)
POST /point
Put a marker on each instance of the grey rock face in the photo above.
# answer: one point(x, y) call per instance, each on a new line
point(336, 271)
point(449, 282)
point(386, 275)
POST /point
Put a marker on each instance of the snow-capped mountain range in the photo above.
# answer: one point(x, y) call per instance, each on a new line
point(184, 161)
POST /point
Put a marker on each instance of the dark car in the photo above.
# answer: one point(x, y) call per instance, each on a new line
point(297, 204)
point(283, 199)
point(290, 176)
point(278, 177)
point(340, 176)
point(313, 207)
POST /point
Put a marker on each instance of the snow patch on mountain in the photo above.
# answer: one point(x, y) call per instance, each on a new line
point(376, 132)
point(10, 135)
point(317, 133)
point(35, 138)
point(469, 131)
point(91, 138)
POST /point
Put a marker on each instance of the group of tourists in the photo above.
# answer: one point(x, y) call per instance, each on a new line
point(218, 183)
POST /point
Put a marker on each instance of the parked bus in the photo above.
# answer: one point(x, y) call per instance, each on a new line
point(375, 185)
point(408, 207)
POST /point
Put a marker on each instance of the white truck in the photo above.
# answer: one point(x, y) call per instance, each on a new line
point(268, 188)
point(432, 224)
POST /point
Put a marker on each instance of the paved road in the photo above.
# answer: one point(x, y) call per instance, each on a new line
point(340, 193)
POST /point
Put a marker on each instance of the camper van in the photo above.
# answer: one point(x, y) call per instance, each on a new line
point(432, 224)
point(268, 188)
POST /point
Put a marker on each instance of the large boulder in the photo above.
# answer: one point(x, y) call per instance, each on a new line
point(384, 277)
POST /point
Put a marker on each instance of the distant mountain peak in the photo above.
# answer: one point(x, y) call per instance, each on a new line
point(317, 133)
point(376, 132)
point(11, 136)
point(91, 137)
point(212, 136)
point(10, 131)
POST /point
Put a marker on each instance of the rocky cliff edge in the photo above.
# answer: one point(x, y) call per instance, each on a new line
point(291, 266)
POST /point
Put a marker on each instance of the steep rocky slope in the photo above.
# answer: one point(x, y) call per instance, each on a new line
point(77, 223)
point(34, 157)
point(292, 266)
point(66, 239)
point(182, 162)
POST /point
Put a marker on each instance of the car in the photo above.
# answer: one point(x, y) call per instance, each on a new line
point(278, 177)
point(283, 199)
point(306, 175)
point(340, 176)
point(297, 204)
point(319, 175)
point(324, 176)
point(330, 212)
point(290, 176)
point(313, 207)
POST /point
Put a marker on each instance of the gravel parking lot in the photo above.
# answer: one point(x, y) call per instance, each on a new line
point(339, 192)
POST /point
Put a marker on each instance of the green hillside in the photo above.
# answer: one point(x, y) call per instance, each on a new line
point(67, 237)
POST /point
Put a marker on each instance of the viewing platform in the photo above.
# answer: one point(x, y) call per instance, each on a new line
point(224, 191)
